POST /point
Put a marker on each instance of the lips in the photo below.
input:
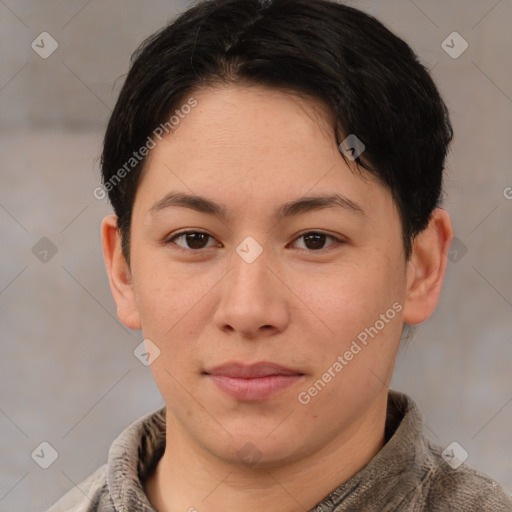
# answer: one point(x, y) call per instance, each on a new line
point(241, 371)
point(253, 382)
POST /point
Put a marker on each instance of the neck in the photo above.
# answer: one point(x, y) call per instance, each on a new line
point(189, 478)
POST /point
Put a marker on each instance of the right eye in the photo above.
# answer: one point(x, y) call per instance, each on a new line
point(190, 240)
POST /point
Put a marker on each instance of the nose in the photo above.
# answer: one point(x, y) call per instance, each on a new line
point(254, 302)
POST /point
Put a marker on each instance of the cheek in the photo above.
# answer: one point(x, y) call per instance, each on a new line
point(164, 294)
point(353, 295)
point(175, 306)
point(172, 316)
point(359, 306)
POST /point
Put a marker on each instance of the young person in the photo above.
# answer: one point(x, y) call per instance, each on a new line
point(275, 169)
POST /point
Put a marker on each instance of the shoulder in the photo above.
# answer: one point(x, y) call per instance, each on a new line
point(91, 495)
point(464, 488)
point(131, 456)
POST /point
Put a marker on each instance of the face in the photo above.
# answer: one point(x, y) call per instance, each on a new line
point(275, 295)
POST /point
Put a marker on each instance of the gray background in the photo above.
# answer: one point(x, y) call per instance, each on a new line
point(68, 373)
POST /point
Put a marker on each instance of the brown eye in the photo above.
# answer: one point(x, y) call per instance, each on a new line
point(196, 240)
point(192, 240)
point(315, 241)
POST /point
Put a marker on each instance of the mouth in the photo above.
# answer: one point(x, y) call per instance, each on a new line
point(254, 382)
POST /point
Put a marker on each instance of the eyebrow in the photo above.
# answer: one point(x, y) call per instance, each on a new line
point(289, 209)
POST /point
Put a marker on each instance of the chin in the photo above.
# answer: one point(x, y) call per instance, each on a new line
point(259, 452)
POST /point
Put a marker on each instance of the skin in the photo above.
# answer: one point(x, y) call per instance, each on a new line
point(251, 150)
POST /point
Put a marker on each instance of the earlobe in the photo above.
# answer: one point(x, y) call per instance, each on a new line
point(119, 274)
point(426, 268)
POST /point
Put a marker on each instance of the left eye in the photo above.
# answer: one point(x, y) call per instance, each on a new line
point(315, 241)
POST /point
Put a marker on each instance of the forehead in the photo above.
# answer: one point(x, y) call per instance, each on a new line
point(265, 144)
point(253, 114)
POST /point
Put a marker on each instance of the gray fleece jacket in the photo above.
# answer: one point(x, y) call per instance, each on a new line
point(408, 474)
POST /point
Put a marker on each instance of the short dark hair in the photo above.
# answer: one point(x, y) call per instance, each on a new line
point(370, 79)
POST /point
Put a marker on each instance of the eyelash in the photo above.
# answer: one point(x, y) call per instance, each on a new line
point(170, 239)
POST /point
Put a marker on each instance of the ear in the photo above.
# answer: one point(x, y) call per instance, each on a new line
point(426, 268)
point(119, 274)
